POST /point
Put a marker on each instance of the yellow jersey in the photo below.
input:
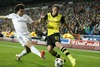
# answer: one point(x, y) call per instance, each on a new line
point(53, 23)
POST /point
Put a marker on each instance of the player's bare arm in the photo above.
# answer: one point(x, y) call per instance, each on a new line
point(40, 20)
point(3, 17)
point(34, 23)
point(42, 16)
point(68, 28)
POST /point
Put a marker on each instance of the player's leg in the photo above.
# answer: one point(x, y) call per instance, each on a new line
point(54, 53)
point(26, 42)
point(51, 45)
point(23, 53)
point(35, 50)
point(66, 52)
point(63, 49)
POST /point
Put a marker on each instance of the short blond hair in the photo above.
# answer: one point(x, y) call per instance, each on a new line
point(55, 5)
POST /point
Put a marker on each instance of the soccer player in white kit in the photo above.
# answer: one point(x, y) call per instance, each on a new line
point(20, 20)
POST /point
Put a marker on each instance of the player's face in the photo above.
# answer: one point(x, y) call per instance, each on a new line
point(21, 12)
point(55, 10)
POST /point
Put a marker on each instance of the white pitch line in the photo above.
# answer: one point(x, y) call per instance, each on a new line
point(47, 51)
point(92, 51)
point(10, 46)
point(86, 56)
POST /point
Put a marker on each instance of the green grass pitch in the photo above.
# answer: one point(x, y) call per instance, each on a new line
point(84, 58)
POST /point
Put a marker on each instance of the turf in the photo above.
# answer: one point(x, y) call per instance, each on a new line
point(85, 58)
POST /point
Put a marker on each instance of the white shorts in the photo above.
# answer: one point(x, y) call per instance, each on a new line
point(22, 39)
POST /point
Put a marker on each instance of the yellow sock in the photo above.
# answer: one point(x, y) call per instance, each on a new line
point(66, 52)
point(72, 60)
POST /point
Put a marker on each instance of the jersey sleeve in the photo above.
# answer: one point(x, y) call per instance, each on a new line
point(62, 19)
point(46, 16)
point(29, 20)
point(10, 16)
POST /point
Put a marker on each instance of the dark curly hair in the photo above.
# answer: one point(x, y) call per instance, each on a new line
point(19, 6)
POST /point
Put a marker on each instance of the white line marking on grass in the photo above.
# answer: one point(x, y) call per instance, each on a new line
point(47, 51)
point(84, 50)
point(10, 46)
point(87, 56)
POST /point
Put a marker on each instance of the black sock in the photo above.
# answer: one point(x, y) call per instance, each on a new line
point(64, 50)
point(55, 54)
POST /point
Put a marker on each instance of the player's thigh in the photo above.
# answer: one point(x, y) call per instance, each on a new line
point(27, 40)
point(50, 48)
point(21, 41)
point(50, 41)
point(56, 37)
point(24, 40)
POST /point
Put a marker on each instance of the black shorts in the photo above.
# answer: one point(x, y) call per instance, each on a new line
point(52, 39)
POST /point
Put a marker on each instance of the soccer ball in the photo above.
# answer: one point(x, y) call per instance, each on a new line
point(58, 62)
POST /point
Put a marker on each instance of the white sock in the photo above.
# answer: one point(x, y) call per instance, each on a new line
point(35, 51)
point(24, 52)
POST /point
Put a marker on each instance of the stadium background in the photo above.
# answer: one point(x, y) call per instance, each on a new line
point(90, 42)
point(82, 16)
point(13, 2)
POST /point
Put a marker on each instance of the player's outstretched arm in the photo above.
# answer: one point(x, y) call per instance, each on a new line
point(68, 28)
point(35, 23)
point(3, 17)
point(42, 18)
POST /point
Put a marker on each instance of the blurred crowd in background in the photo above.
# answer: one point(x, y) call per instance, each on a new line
point(82, 17)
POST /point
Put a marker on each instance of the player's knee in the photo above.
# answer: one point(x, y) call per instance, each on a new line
point(49, 49)
point(58, 45)
point(28, 50)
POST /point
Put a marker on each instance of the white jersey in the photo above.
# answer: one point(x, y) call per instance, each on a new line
point(20, 23)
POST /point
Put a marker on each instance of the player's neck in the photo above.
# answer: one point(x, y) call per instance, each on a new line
point(53, 14)
point(20, 14)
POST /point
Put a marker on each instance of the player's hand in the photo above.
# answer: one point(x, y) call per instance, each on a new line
point(42, 15)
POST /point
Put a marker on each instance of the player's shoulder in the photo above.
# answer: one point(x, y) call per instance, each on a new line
point(60, 14)
point(12, 14)
point(25, 15)
point(49, 13)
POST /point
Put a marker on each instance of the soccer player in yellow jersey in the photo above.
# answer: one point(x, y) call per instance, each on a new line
point(53, 35)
